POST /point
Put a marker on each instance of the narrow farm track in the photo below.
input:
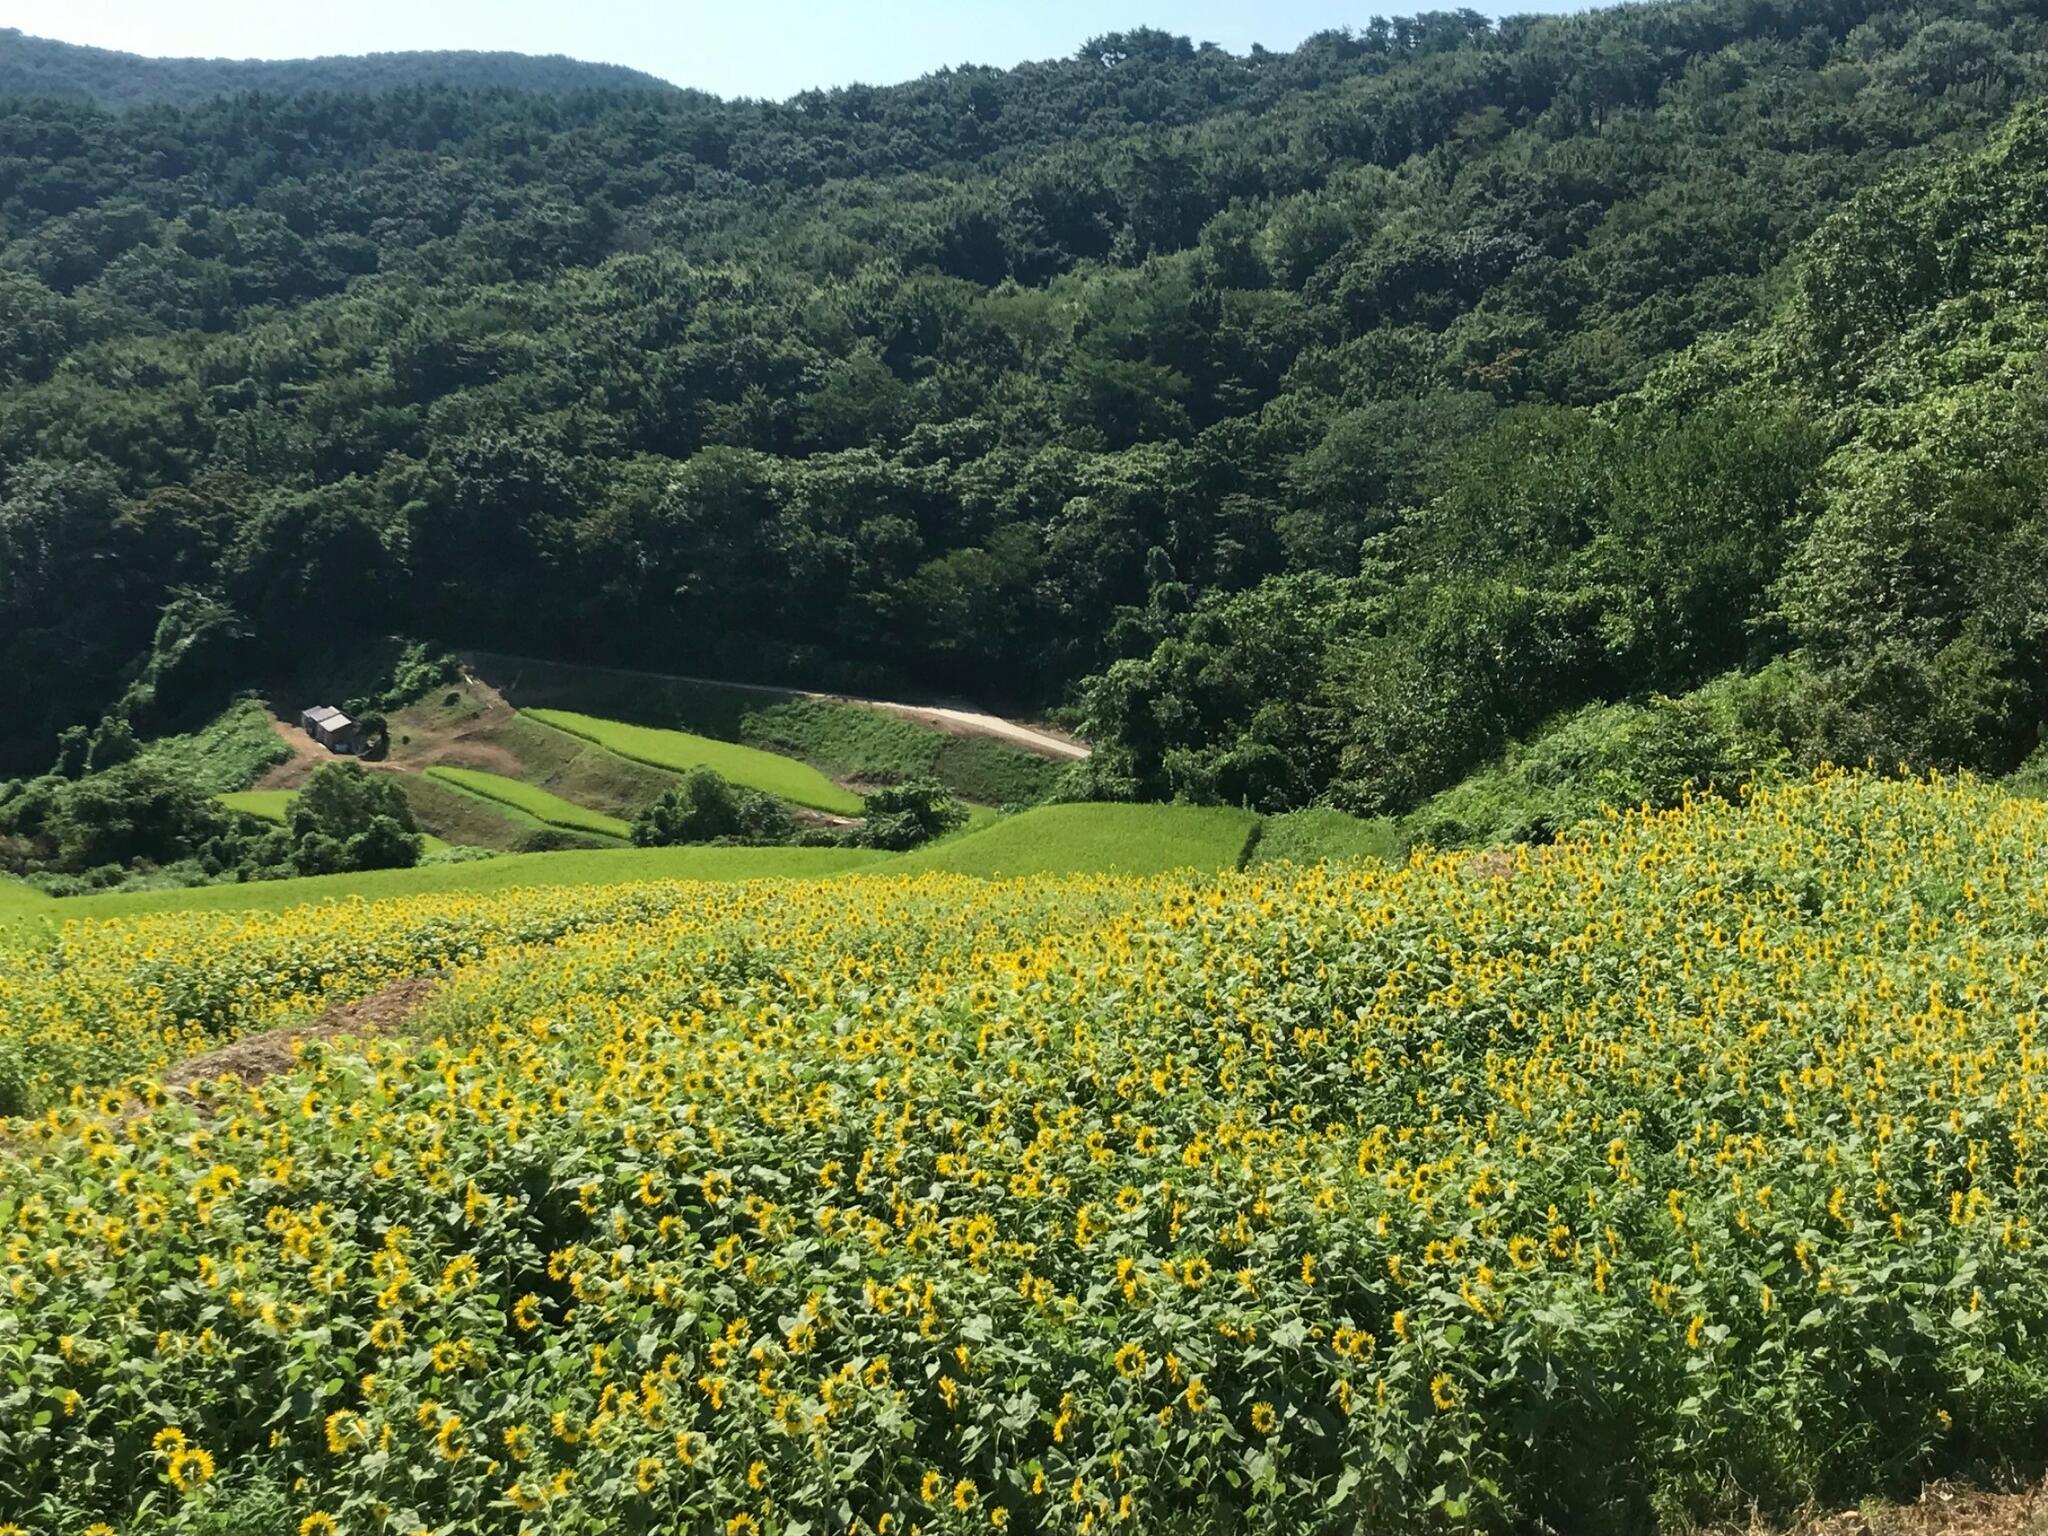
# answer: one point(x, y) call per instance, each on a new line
point(307, 755)
point(955, 720)
point(968, 722)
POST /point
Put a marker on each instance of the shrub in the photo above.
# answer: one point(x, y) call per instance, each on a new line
point(905, 815)
point(348, 819)
point(707, 808)
point(136, 813)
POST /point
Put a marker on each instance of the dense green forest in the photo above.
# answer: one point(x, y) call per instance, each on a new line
point(1314, 424)
point(38, 66)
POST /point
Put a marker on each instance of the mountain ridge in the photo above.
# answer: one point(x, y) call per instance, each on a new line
point(33, 67)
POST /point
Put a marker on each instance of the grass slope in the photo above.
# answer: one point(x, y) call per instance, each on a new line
point(584, 867)
point(534, 801)
point(15, 896)
point(1311, 836)
point(270, 804)
point(1107, 839)
point(471, 821)
point(851, 741)
point(679, 751)
point(581, 770)
point(467, 725)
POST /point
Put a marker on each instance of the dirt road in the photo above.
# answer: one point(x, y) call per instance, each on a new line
point(970, 722)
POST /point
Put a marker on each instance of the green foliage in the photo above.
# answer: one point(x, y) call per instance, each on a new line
point(345, 819)
point(373, 674)
point(111, 744)
point(135, 814)
point(1320, 834)
point(1716, 739)
point(2031, 777)
point(706, 808)
point(904, 816)
point(1319, 423)
point(40, 66)
point(1854, 488)
point(227, 754)
point(989, 382)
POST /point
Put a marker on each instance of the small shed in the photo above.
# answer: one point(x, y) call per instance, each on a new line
point(331, 728)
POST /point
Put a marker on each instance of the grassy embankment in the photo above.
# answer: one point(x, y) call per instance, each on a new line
point(1318, 834)
point(270, 804)
point(542, 805)
point(471, 726)
point(17, 898)
point(681, 751)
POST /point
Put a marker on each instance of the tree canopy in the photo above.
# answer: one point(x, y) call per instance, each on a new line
point(1316, 422)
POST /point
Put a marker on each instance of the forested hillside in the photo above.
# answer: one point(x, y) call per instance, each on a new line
point(1319, 422)
point(41, 66)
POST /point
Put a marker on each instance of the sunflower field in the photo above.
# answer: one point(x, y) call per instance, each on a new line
point(1603, 1186)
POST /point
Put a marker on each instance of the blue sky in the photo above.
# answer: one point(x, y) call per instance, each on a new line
point(733, 47)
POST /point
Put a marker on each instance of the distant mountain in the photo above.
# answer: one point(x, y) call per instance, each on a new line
point(40, 66)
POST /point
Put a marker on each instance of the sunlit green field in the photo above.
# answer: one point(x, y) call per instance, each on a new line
point(270, 804)
point(18, 897)
point(604, 866)
point(679, 751)
point(1110, 839)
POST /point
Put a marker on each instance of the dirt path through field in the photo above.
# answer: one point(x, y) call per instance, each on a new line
point(307, 754)
point(255, 1057)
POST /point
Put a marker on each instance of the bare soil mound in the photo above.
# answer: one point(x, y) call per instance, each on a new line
point(255, 1057)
